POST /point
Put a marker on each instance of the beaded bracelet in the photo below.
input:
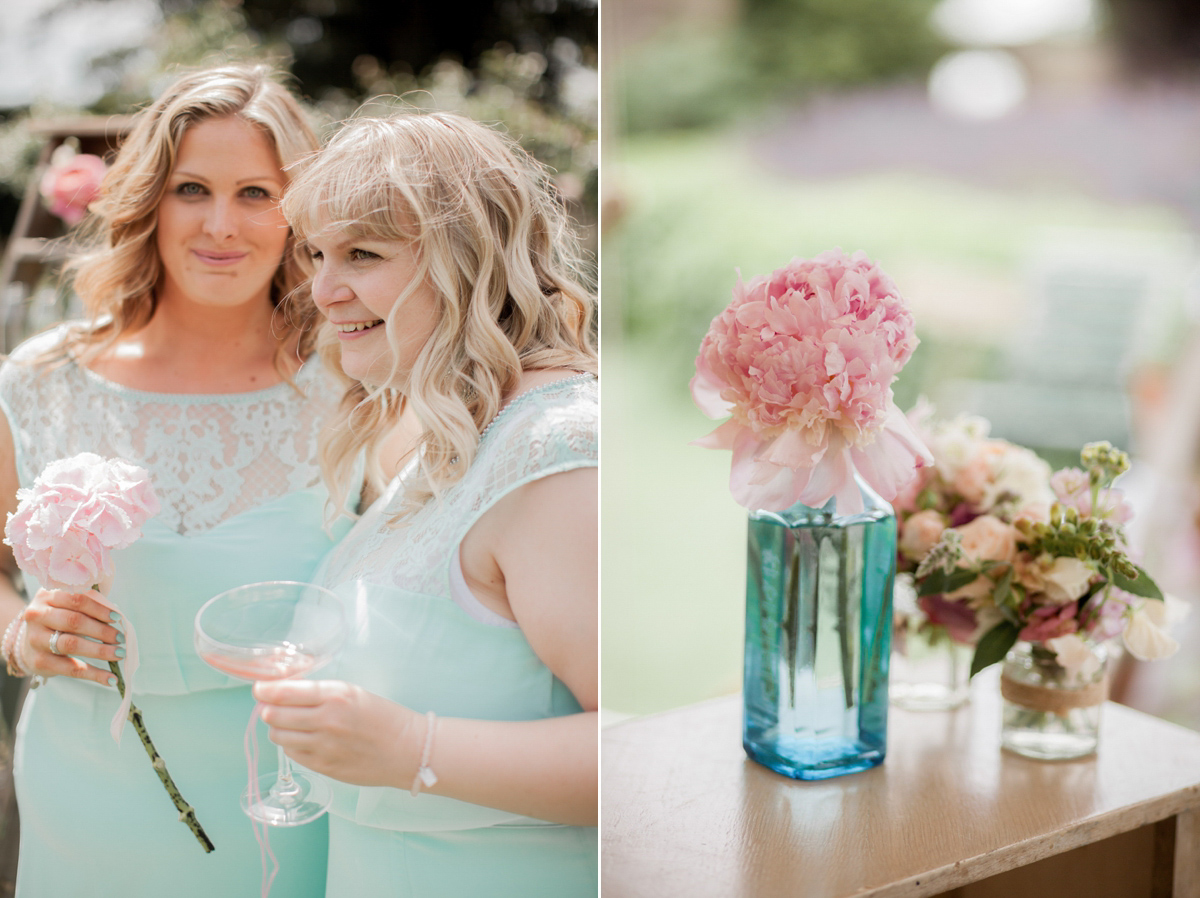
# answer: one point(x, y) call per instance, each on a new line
point(8, 648)
point(23, 662)
point(425, 776)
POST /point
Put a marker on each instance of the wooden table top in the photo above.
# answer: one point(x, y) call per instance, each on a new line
point(684, 812)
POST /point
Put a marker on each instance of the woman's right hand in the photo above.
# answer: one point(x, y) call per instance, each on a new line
point(86, 631)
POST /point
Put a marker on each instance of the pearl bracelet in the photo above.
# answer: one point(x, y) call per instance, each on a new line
point(425, 776)
point(8, 647)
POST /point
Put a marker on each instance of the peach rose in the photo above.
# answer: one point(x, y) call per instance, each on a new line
point(988, 538)
point(921, 533)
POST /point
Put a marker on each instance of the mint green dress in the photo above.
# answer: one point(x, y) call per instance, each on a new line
point(416, 646)
point(238, 480)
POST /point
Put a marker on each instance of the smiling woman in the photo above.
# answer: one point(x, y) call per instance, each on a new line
point(220, 233)
point(360, 285)
point(460, 724)
point(195, 365)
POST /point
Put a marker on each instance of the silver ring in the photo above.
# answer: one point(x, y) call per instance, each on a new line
point(54, 642)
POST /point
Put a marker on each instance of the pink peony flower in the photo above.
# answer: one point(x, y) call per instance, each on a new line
point(71, 183)
point(804, 360)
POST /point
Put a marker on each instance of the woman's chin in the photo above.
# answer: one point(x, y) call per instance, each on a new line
point(371, 370)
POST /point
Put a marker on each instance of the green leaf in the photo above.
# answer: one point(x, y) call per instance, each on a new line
point(994, 646)
point(1143, 586)
point(1000, 593)
point(939, 582)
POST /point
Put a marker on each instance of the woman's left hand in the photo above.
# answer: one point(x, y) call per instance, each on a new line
point(342, 731)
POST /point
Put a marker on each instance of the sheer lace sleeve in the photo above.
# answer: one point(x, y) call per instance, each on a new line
point(548, 430)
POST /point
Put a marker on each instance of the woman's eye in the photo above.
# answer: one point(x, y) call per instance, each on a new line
point(190, 188)
point(316, 255)
point(257, 193)
point(361, 255)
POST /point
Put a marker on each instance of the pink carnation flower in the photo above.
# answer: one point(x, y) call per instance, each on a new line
point(804, 360)
point(1050, 622)
point(78, 510)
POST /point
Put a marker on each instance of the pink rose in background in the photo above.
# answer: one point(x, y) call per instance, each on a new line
point(803, 361)
point(71, 182)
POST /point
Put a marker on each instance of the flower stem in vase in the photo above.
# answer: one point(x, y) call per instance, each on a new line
point(843, 628)
point(824, 581)
point(791, 618)
point(187, 814)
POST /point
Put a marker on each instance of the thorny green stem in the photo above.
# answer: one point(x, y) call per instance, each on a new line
point(187, 814)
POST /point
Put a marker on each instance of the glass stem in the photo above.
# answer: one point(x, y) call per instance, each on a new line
point(285, 789)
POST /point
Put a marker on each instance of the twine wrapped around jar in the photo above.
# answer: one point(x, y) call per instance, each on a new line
point(1054, 699)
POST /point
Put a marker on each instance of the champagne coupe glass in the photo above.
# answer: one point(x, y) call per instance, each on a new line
point(271, 631)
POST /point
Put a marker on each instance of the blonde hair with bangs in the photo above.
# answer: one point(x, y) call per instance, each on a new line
point(496, 245)
point(116, 278)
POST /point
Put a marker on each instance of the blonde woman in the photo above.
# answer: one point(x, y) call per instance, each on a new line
point(461, 724)
point(195, 365)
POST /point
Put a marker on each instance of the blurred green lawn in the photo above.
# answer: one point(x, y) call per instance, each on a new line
point(698, 207)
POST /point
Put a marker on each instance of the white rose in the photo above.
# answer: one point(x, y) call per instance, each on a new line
point(1066, 580)
point(954, 443)
point(1022, 473)
point(1145, 639)
point(1076, 656)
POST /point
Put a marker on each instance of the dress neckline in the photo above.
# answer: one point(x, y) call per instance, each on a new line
point(120, 389)
point(524, 394)
point(389, 494)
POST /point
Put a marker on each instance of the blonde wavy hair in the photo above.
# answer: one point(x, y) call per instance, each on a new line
point(116, 277)
point(493, 241)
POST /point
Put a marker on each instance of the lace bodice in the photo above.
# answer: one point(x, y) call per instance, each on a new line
point(211, 457)
point(547, 430)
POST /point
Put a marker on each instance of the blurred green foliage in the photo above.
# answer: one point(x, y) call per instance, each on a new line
point(802, 44)
point(698, 208)
point(696, 78)
point(504, 86)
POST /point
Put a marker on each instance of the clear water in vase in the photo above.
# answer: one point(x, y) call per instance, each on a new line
point(818, 638)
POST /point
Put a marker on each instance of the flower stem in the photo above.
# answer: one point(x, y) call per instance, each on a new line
point(187, 814)
point(843, 625)
point(791, 614)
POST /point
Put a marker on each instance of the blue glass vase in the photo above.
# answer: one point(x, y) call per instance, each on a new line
point(818, 637)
